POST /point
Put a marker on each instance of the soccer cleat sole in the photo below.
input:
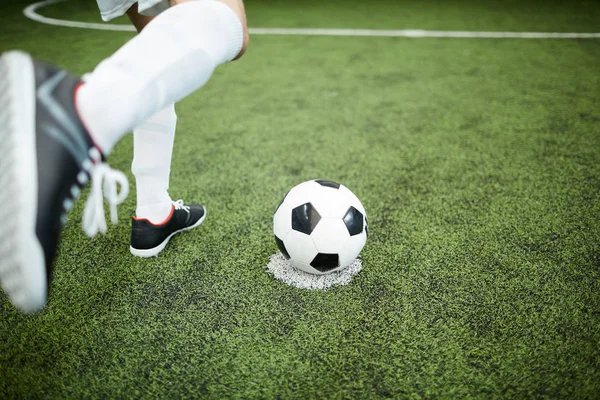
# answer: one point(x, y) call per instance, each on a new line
point(146, 253)
point(22, 263)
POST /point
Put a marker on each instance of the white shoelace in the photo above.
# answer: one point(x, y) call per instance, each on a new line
point(180, 206)
point(105, 181)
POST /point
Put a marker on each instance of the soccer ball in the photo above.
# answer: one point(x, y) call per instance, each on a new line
point(320, 226)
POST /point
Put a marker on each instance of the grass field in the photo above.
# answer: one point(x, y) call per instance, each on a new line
point(477, 160)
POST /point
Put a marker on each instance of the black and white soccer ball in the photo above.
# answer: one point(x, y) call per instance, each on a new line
point(320, 226)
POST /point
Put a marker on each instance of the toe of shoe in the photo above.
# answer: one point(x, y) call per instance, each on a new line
point(197, 214)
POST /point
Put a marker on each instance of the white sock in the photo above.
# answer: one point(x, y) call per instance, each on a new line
point(152, 151)
point(172, 57)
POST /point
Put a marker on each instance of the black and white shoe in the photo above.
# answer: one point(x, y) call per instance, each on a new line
point(46, 157)
point(148, 239)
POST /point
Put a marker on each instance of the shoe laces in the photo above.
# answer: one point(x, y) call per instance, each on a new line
point(105, 183)
point(180, 206)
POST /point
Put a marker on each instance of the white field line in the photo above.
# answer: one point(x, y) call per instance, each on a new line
point(30, 12)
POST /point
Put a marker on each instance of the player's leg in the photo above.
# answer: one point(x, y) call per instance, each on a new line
point(157, 218)
point(238, 8)
point(152, 152)
point(174, 55)
point(139, 21)
point(55, 132)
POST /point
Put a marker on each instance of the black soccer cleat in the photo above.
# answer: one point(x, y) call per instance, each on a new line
point(148, 239)
point(46, 157)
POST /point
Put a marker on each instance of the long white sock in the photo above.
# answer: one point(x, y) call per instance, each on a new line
point(152, 151)
point(173, 56)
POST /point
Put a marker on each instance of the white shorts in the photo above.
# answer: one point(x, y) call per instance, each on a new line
point(110, 9)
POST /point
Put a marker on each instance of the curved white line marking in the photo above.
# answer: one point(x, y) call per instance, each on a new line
point(30, 12)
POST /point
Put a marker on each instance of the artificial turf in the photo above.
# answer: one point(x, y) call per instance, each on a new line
point(477, 160)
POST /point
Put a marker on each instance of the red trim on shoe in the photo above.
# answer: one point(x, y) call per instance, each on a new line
point(79, 85)
point(159, 224)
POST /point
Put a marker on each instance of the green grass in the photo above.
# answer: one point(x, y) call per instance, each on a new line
point(478, 162)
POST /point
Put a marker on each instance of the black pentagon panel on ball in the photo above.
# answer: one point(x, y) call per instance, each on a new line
point(282, 248)
point(325, 182)
point(324, 262)
point(354, 221)
point(305, 218)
